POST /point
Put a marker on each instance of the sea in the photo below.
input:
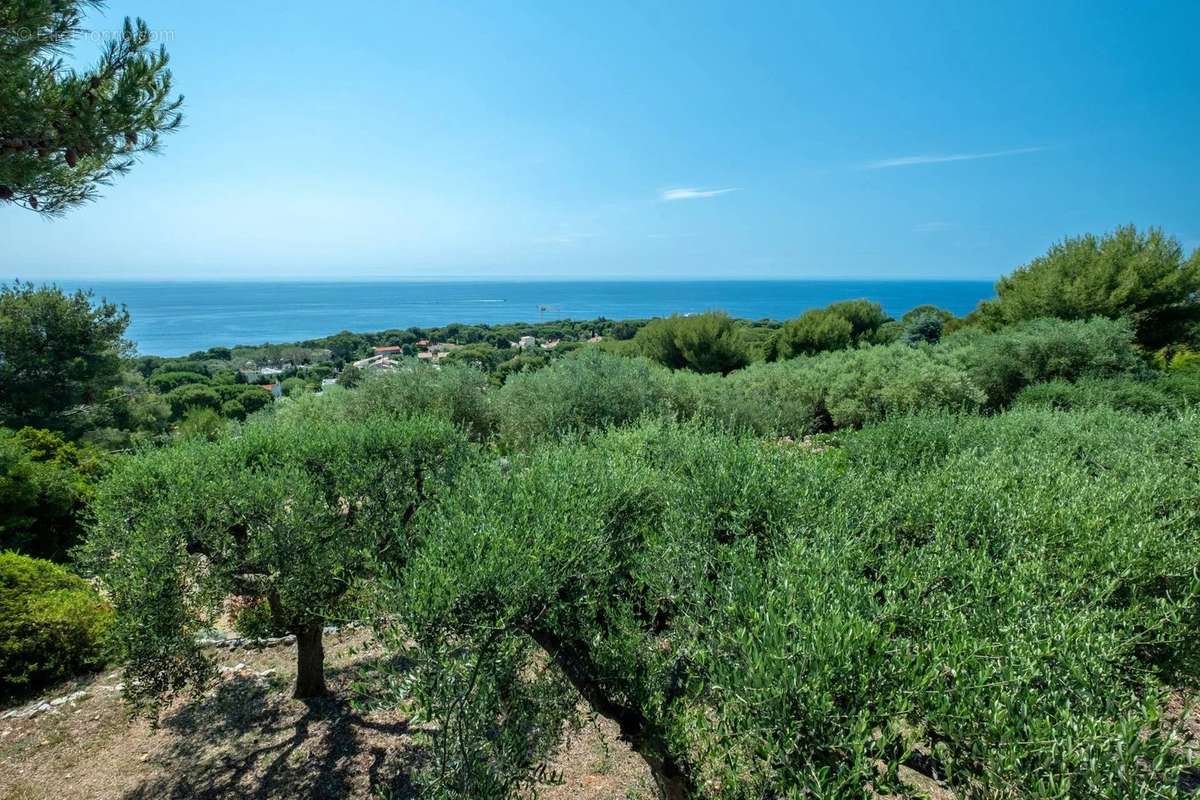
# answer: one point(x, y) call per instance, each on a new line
point(177, 318)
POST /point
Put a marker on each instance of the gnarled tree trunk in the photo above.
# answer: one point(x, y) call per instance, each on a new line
point(310, 662)
point(673, 782)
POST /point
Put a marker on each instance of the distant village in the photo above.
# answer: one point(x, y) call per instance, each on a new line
point(277, 368)
point(385, 356)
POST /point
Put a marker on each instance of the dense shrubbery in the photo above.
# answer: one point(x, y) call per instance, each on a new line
point(836, 327)
point(166, 381)
point(587, 391)
point(1003, 363)
point(453, 392)
point(1002, 595)
point(831, 390)
point(1172, 393)
point(45, 484)
point(52, 625)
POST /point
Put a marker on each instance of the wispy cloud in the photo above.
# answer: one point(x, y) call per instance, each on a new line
point(930, 227)
point(691, 193)
point(912, 161)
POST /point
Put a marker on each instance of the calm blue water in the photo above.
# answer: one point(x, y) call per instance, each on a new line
point(174, 318)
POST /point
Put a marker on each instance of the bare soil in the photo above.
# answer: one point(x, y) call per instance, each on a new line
point(246, 738)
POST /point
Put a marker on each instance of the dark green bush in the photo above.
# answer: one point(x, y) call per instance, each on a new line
point(294, 387)
point(183, 365)
point(254, 620)
point(923, 328)
point(166, 381)
point(45, 485)
point(1004, 362)
point(1009, 595)
point(192, 396)
point(1183, 385)
point(52, 625)
point(232, 409)
point(836, 327)
point(708, 342)
point(250, 398)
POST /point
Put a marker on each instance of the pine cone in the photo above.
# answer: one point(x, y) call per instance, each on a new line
point(6, 193)
point(131, 139)
point(33, 202)
point(72, 159)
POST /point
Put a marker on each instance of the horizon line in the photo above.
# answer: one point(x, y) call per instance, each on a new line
point(548, 279)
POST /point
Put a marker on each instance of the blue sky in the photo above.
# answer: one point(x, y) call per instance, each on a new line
point(652, 140)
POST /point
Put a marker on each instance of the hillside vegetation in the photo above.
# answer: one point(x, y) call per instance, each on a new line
point(843, 555)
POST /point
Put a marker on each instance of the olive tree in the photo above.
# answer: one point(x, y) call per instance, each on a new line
point(294, 511)
point(999, 603)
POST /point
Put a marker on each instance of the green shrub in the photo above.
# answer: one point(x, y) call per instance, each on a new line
point(925, 327)
point(815, 331)
point(192, 396)
point(1124, 394)
point(457, 393)
point(1182, 385)
point(1009, 595)
point(183, 365)
point(708, 342)
point(1177, 358)
point(1004, 362)
point(45, 485)
point(232, 409)
point(586, 391)
point(52, 625)
point(350, 376)
point(250, 398)
point(294, 387)
point(849, 388)
point(202, 423)
point(166, 381)
point(838, 326)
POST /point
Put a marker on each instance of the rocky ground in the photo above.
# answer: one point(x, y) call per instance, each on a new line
point(248, 739)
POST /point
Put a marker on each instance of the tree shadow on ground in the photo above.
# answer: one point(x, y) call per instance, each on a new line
point(249, 739)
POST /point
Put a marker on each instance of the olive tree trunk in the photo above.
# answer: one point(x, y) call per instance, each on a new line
point(670, 776)
point(310, 662)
